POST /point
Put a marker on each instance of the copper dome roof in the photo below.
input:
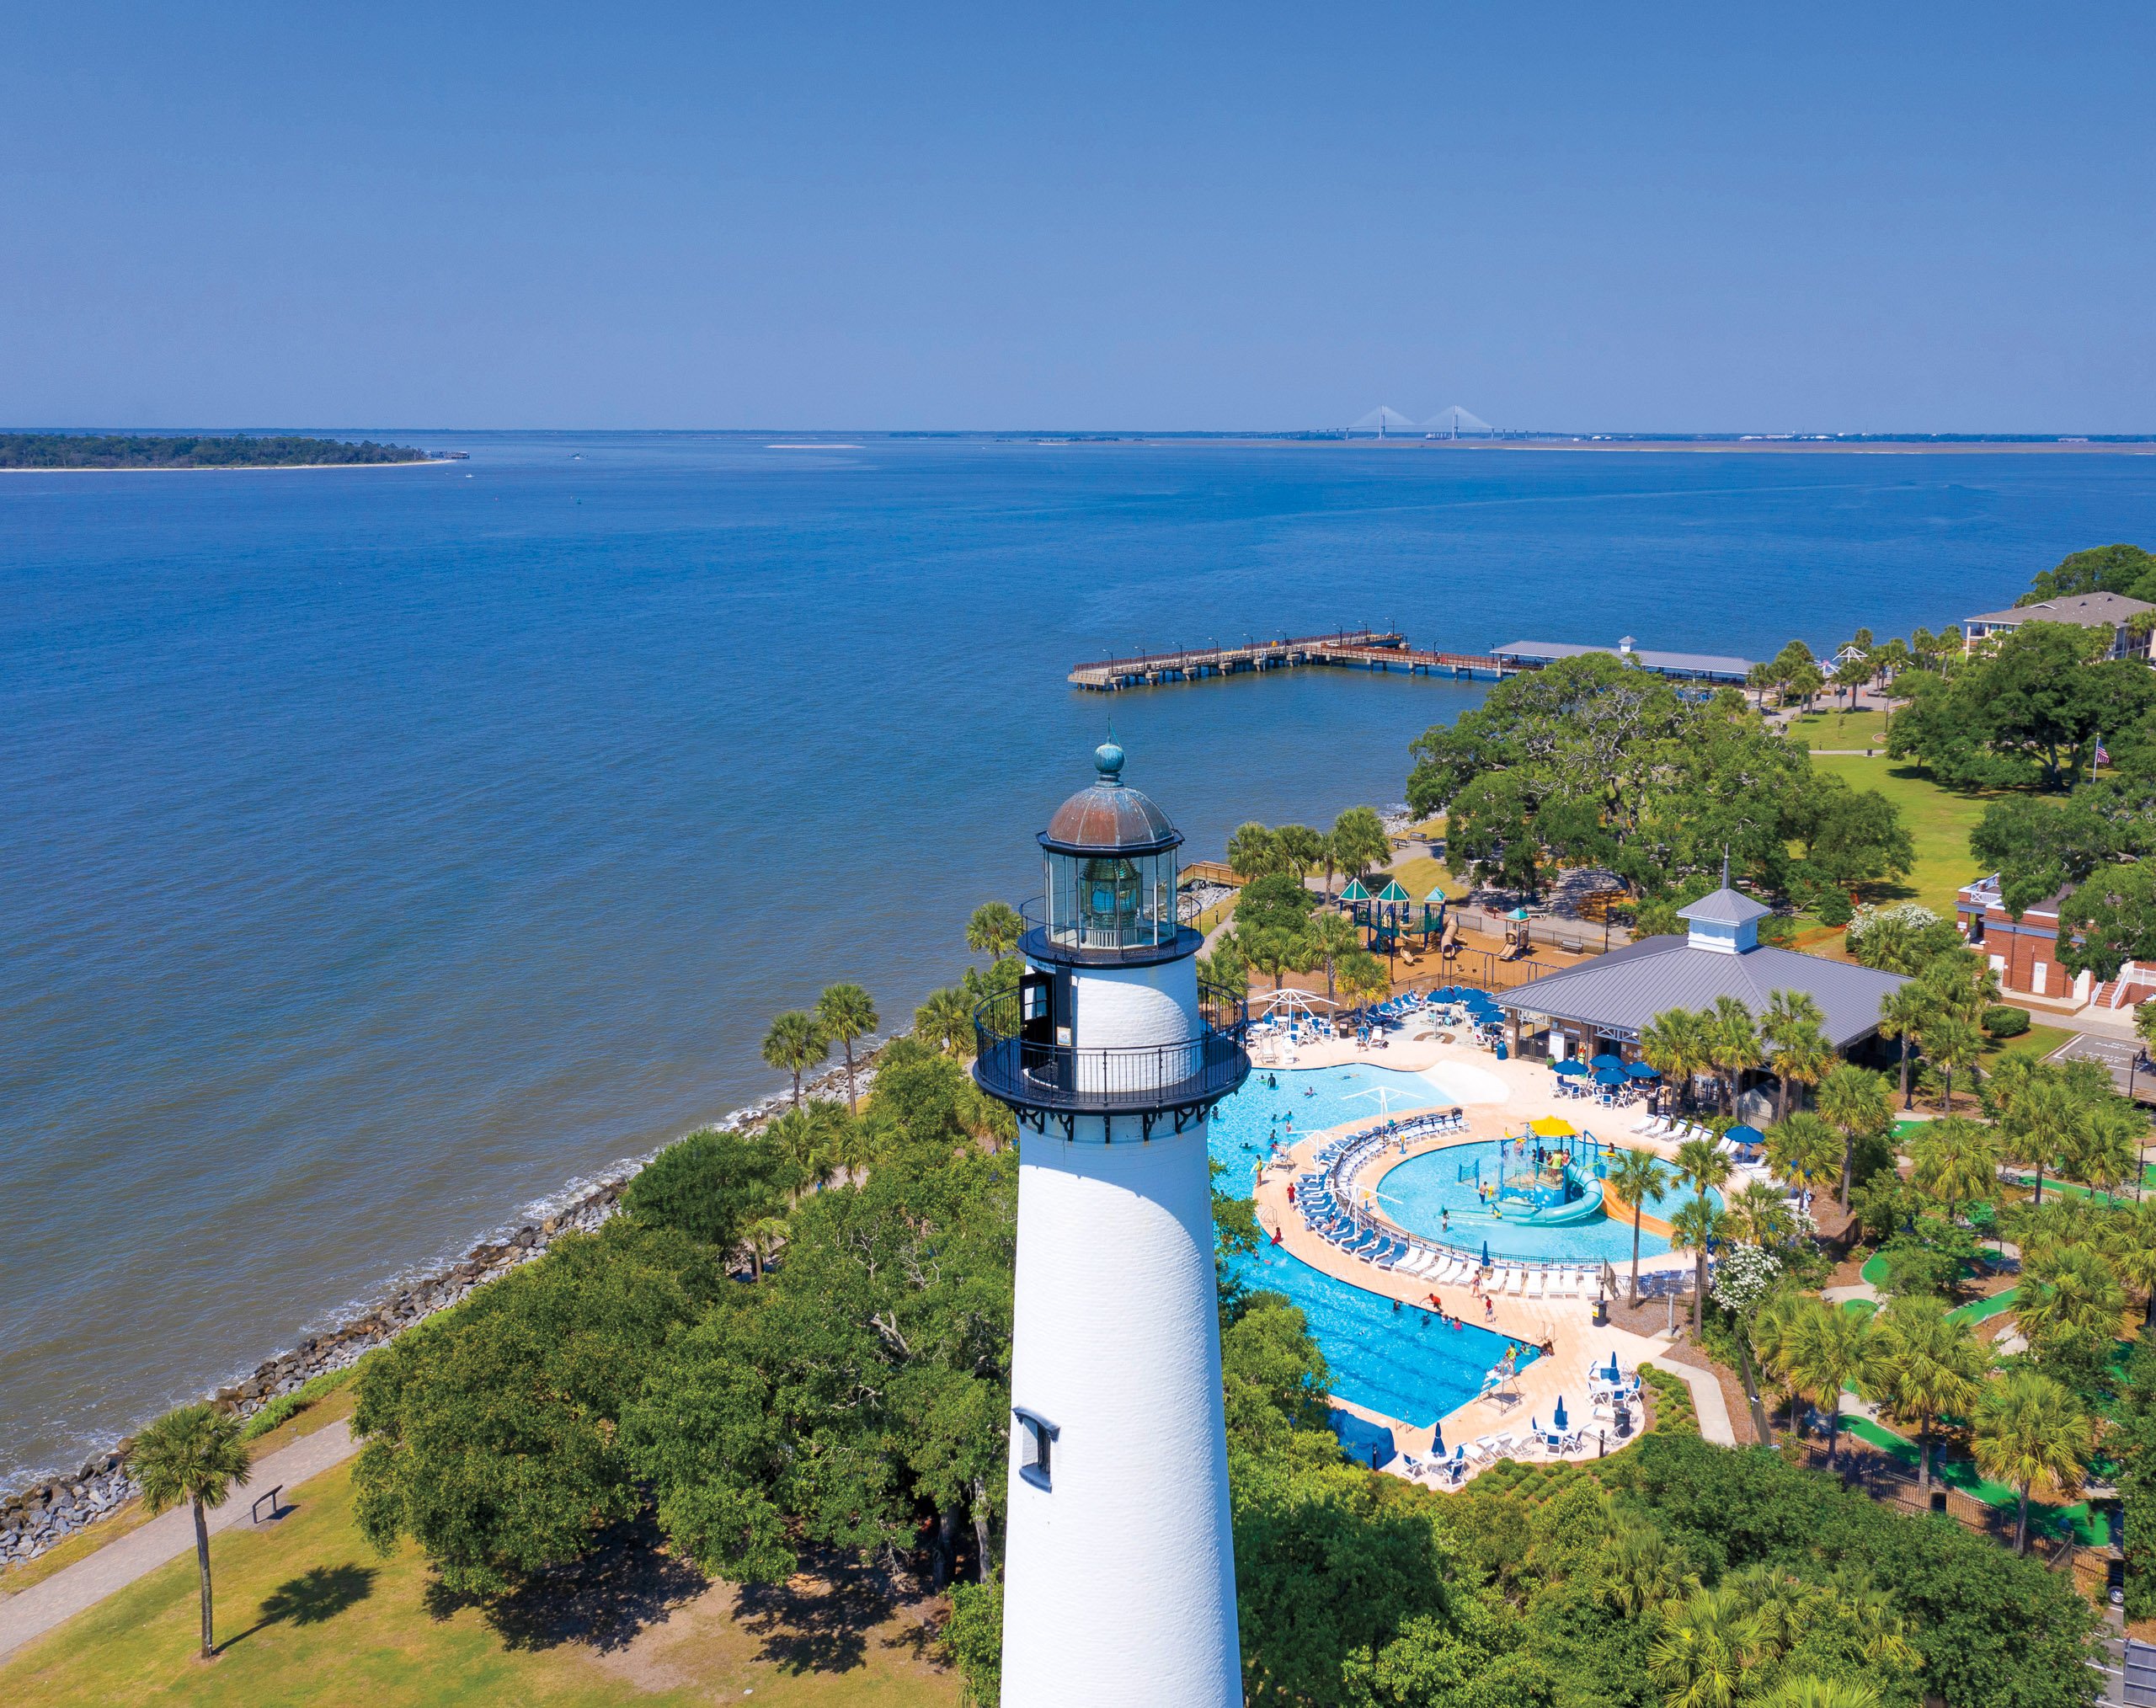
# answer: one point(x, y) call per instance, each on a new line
point(1111, 817)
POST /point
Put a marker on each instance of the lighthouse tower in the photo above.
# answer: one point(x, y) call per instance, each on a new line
point(1119, 1572)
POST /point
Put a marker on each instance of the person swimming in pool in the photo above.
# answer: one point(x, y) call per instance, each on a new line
point(1444, 1221)
point(1272, 1082)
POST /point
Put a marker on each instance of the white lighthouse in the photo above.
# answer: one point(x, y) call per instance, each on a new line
point(1120, 1570)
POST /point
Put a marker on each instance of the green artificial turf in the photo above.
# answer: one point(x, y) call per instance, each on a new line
point(2092, 1529)
point(1982, 1309)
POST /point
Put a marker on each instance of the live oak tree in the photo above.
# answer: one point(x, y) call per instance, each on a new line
point(713, 1186)
point(493, 1430)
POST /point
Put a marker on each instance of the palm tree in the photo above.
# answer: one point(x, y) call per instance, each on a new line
point(193, 1455)
point(1758, 1215)
point(1702, 1649)
point(1640, 1570)
point(1927, 1364)
point(995, 929)
point(1674, 1044)
point(1734, 1046)
point(2068, 1292)
point(1802, 1148)
point(2129, 1240)
point(796, 1043)
point(1773, 1325)
point(796, 1136)
point(2030, 1433)
point(1953, 1043)
point(1253, 850)
point(846, 1011)
point(1363, 978)
point(1694, 1228)
point(2043, 1124)
point(1811, 1692)
point(945, 1020)
point(1824, 1350)
point(1701, 1164)
point(1330, 936)
point(1802, 1058)
point(1359, 841)
point(1901, 1016)
point(1788, 1008)
point(2107, 1149)
point(1857, 1104)
point(1635, 1176)
point(1956, 1161)
point(763, 1238)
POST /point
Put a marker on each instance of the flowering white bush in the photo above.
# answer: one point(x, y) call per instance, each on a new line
point(1743, 1276)
point(1802, 1224)
point(1906, 918)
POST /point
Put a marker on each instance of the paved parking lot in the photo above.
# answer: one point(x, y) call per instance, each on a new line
point(2130, 1074)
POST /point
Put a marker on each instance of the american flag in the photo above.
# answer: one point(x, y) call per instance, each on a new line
point(2102, 756)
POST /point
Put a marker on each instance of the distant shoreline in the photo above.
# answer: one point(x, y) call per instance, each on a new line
point(240, 468)
point(1740, 447)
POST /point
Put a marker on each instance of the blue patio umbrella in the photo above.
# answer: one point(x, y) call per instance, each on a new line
point(1612, 1371)
point(1570, 1070)
point(1560, 1417)
point(1607, 1060)
point(1610, 1076)
point(1486, 1263)
point(1641, 1070)
point(1746, 1136)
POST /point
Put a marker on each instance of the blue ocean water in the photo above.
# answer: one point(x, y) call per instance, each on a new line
point(385, 848)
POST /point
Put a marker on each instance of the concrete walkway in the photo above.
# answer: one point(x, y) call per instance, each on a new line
point(140, 1552)
point(1706, 1399)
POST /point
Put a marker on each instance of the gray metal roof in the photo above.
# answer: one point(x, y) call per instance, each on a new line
point(1724, 907)
point(1625, 989)
point(1676, 663)
point(2089, 610)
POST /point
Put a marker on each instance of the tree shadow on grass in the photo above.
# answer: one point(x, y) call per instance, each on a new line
point(820, 1620)
point(315, 1597)
point(601, 1601)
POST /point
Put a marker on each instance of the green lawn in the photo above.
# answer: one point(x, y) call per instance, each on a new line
point(1937, 820)
point(309, 1614)
point(1982, 1309)
point(1841, 729)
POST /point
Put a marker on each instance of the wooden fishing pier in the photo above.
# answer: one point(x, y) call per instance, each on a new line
point(1359, 649)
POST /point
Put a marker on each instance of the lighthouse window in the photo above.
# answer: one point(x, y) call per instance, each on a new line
point(1038, 1443)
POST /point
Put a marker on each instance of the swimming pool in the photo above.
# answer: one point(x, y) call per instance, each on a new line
point(1420, 1193)
point(1405, 1364)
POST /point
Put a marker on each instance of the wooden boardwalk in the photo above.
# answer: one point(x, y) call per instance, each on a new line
point(1361, 648)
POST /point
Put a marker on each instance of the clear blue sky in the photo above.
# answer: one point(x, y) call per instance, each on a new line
point(1815, 218)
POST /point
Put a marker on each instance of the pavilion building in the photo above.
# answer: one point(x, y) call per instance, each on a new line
point(1605, 1004)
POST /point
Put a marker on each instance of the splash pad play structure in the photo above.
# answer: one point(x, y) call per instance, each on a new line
point(1548, 1176)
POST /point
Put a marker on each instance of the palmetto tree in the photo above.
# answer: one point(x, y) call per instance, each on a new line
point(1702, 1648)
point(1701, 1164)
point(1363, 978)
point(945, 1021)
point(1674, 1044)
point(193, 1455)
point(1773, 1325)
point(1808, 1691)
point(1641, 1570)
point(2030, 1433)
point(796, 1044)
point(1856, 1103)
point(1824, 1350)
point(1786, 1009)
point(1901, 1016)
point(1803, 1057)
point(1734, 1046)
point(1925, 1364)
point(1803, 1148)
point(2108, 1148)
point(995, 929)
point(1953, 1043)
point(1758, 1215)
point(1635, 1176)
point(797, 1136)
point(2068, 1293)
point(2044, 1124)
point(2129, 1240)
point(1956, 1161)
point(1331, 936)
point(846, 1012)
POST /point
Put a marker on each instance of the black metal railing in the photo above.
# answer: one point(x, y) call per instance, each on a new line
point(1195, 1072)
point(1148, 938)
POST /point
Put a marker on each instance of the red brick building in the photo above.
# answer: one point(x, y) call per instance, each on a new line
point(2024, 953)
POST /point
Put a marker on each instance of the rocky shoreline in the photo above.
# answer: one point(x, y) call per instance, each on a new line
point(46, 1515)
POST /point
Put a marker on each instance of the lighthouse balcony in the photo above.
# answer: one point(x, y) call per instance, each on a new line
point(1042, 1080)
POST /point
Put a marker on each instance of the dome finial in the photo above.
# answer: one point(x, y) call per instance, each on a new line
point(1108, 758)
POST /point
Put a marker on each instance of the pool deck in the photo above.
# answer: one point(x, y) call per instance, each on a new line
point(1506, 1093)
